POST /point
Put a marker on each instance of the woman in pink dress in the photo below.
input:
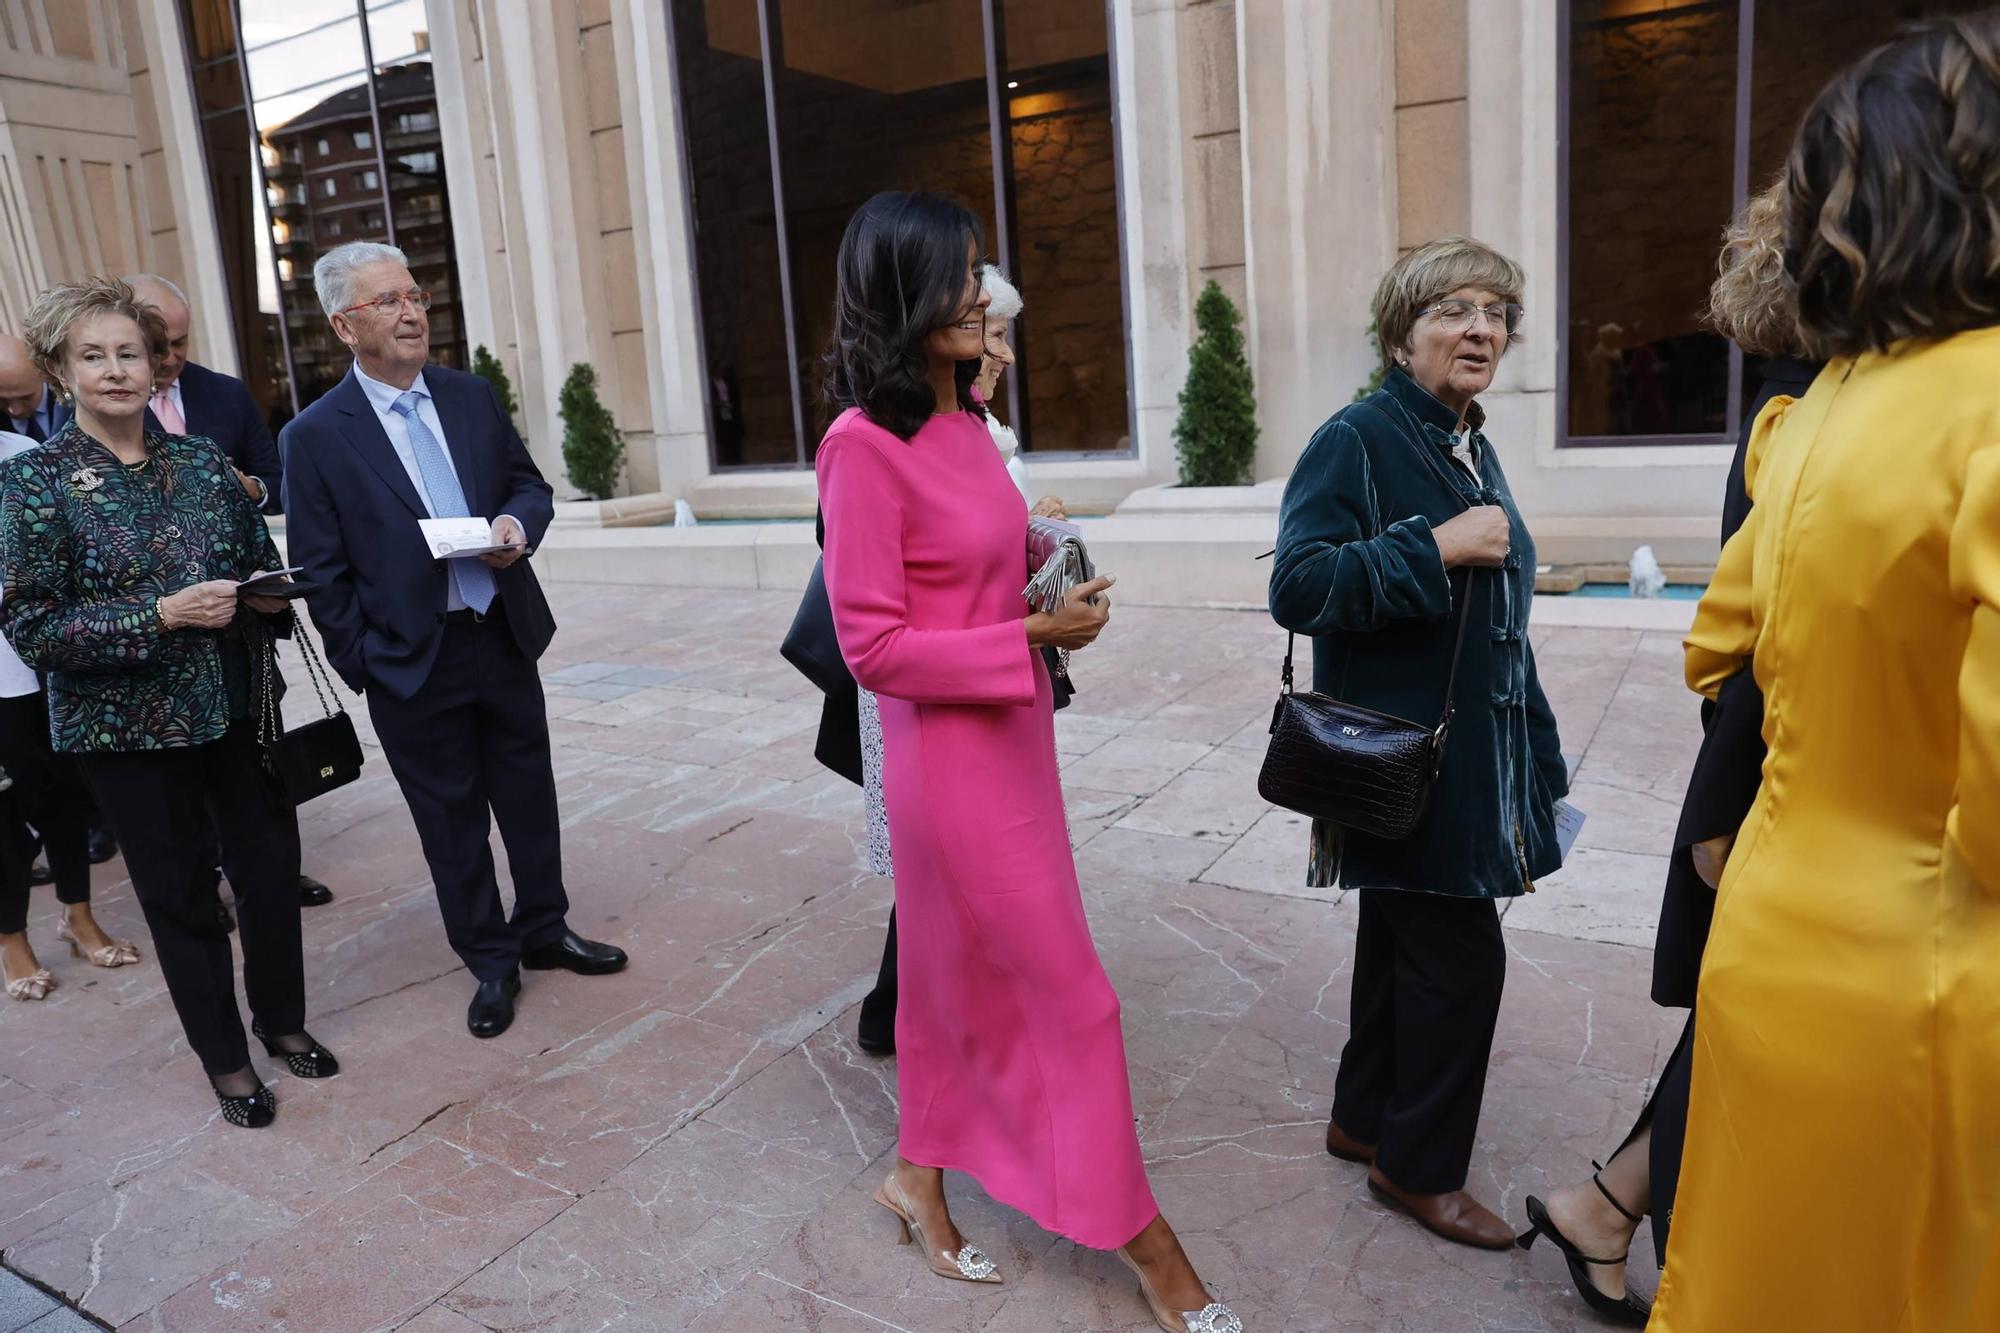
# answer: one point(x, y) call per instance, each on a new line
point(1010, 1058)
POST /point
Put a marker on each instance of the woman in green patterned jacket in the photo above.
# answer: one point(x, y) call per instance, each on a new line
point(122, 548)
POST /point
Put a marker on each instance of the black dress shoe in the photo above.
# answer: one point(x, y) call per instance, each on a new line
point(102, 845)
point(492, 1009)
point(312, 893)
point(40, 874)
point(574, 953)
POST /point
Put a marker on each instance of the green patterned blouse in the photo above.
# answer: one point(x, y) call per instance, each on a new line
point(89, 545)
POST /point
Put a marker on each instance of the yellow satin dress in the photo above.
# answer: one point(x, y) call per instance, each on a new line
point(1842, 1170)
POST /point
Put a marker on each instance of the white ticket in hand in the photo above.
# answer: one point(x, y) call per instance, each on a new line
point(457, 538)
point(1569, 823)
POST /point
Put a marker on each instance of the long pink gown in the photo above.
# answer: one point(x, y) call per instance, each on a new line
point(1010, 1058)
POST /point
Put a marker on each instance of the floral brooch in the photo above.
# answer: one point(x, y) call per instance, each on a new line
point(85, 479)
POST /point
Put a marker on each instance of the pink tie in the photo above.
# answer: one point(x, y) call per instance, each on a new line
point(169, 415)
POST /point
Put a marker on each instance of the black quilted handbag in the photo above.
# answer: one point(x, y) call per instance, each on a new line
point(313, 759)
point(1353, 766)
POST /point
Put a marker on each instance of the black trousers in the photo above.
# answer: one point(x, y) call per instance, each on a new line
point(212, 848)
point(48, 792)
point(158, 804)
point(878, 1008)
point(472, 748)
point(1666, 1114)
point(1428, 972)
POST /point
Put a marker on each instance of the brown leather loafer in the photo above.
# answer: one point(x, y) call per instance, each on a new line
point(1346, 1147)
point(1456, 1216)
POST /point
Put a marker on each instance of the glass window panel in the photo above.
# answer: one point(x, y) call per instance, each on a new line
point(1799, 46)
point(230, 152)
point(719, 58)
point(413, 144)
point(1652, 183)
point(1070, 341)
point(398, 30)
point(859, 112)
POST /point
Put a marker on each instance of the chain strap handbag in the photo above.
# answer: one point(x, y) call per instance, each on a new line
point(314, 759)
point(1353, 766)
point(1058, 563)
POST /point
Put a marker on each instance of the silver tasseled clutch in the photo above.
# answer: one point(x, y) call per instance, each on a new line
point(1057, 562)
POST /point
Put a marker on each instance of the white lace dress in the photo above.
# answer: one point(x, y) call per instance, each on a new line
point(879, 862)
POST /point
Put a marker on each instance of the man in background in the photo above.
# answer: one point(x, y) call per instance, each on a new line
point(32, 409)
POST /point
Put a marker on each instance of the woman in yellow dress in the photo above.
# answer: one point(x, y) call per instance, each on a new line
point(1842, 1172)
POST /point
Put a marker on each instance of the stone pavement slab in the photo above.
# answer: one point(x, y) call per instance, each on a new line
point(692, 1144)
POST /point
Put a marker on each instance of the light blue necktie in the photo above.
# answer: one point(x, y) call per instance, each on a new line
point(474, 579)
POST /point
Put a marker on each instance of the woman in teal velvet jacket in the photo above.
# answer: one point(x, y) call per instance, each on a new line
point(1397, 509)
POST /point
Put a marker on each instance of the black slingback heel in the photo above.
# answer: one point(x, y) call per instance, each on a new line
point(1631, 1310)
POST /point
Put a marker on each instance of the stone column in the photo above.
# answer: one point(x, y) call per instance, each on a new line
point(181, 239)
point(662, 247)
point(465, 126)
point(548, 208)
point(1152, 178)
point(1320, 205)
point(69, 154)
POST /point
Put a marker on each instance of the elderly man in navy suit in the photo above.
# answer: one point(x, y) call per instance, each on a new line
point(444, 649)
point(191, 399)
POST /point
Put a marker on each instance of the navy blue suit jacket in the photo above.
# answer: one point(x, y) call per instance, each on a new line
point(351, 522)
point(220, 407)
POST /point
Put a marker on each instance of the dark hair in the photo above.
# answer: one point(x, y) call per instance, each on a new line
point(901, 276)
point(1893, 230)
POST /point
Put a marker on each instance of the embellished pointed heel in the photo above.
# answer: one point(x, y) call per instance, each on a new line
point(1630, 1310)
point(1215, 1317)
point(969, 1264)
point(315, 1063)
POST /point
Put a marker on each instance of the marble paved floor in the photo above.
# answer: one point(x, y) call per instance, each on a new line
point(691, 1144)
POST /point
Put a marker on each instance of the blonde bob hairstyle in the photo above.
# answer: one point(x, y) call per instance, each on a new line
point(58, 310)
point(1432, 272)
point(1751, 302)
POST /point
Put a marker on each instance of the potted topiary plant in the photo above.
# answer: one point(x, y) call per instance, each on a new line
point(593, 450)
point(1217, 431)
point(487, 366)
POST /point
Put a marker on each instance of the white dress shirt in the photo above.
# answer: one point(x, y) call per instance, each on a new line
point(382, 397)
point(17, 678)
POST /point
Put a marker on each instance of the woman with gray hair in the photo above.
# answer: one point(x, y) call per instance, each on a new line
point(1396, 522)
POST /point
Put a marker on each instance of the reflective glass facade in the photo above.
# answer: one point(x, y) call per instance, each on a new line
point(320, 126)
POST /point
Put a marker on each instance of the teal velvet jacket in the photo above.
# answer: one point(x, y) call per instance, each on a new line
point(89, 547)
point(1359, 571)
